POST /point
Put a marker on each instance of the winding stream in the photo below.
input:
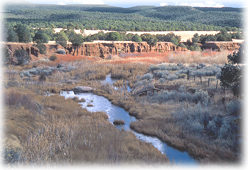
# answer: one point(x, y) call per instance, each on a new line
point(101, 103)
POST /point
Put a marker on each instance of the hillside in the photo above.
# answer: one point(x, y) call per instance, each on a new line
point(139, 18)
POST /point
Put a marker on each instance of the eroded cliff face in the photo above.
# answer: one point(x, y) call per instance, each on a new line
point(104, 49)
point(221, 46)
point(29, 47)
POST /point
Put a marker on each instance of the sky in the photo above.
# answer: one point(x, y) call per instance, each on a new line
point(130, 3)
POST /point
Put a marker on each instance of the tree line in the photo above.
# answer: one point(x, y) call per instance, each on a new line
point(170, 18)
point(23, 33)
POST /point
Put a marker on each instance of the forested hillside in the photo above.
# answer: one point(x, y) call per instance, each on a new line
point(140, 18)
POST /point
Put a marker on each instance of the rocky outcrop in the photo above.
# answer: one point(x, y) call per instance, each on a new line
point(222, 45)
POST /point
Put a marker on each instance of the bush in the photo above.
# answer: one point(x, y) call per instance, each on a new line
point(61, 51)
point(234, 107)
point(161, 74)
point(136, 38)
point(53, 58)
point(171, 77)
point(22, 56)
point(147, 76)
point(164, 67)
point(230, 76)
point(161, 80)
point(42, 77)
point(236, 57)
point(25, 73)
point(59, 66)
point(41, 47)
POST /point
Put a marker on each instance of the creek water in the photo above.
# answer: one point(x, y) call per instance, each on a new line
point(101, 103)
point(110, 80)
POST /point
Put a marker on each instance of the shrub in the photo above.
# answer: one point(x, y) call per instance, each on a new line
point(141, 83)
point(46, 72)
point(161, 74)
point(136, 38)
point(59, 66)
point(230, 75)
point(182, 76)
point(164, 67)
point(61, 51)
point(34, 71)
point(42, 77)
point(147, 76)
point(236, 57)
point(234, 107)
point(53, 58)
point(161, 80)
point(41, 47)
point(22, 56)
point(171, 77)
point(200, 96)
point(25, 73)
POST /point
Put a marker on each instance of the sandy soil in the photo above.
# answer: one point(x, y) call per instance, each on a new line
point(184, 34)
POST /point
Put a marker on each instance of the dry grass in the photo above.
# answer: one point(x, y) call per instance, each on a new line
point(64, 132)
point(206, 57)
point(145, 58)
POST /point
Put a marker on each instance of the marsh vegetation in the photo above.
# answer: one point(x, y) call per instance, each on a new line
point(183, 104)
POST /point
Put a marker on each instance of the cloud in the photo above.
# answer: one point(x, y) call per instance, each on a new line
point(61, 3)
point(200, 4)
point(88, 1)
point(163, 4)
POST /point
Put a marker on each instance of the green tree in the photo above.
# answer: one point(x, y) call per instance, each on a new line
point(41, 37)
point(182, 45)
point(136, 38)
point(114, 36)
point(231, 74)
point(236, 57)
point(12, 36)
point(23, 33)
point(150, 39)
point(195, 38)
point(62, 39)
point(175, 41)
point(50, 33)
point(77, 40)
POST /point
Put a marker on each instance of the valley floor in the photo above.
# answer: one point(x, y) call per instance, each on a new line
point(187, 111)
